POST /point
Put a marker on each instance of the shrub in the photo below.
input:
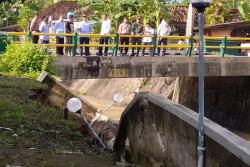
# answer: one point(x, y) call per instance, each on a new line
point(26, 60)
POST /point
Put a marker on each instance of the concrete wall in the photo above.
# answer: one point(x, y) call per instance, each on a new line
point(59, 96)
point(163, 133)
point(70, 68)
point(227, 99)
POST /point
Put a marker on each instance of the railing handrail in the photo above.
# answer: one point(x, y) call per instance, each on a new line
point(153, 46)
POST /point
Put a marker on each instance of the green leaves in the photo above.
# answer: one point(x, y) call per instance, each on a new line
point(244, 9)
point(26, 59)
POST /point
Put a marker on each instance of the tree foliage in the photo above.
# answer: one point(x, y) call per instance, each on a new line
point(218, 12)
point(244, 9)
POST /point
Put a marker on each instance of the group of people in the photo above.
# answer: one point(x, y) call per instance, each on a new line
point(85, 27)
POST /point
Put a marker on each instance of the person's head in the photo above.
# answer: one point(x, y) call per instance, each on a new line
point(37, 15)
point(105, 16)
point(46, 20)
point(125, 20)
point(62, 17)
point(148, 25)
point(167, 24)
point(71, 17)
point(138, 19)
point(84, 17)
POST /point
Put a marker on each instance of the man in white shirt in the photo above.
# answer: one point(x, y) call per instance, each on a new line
point(105, 30)
point(59, 29)
point(147, 40)
point(44, 28)
point(163, 30)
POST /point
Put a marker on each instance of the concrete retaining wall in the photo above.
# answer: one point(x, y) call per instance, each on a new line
point(164, 133)
point(70, 68)
point(59, 96)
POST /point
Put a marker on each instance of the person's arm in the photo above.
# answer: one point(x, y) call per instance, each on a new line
point(55, 28)
point(119, 29)
point(50, 20)
point(41, 27)
point(32, 24)
point(66, 28)
point(133, 29)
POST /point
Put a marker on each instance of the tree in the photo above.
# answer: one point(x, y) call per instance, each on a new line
point(244, 9)
point(24, 17)
point(218, 12)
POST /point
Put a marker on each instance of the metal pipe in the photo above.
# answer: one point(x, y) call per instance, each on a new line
point(201, 89)
point(103, 112)
point(93, 131)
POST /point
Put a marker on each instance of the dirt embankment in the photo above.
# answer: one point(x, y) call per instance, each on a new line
point(100, 92)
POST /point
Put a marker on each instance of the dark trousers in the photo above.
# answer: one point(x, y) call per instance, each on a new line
point(84, 40)
point(102, 41)
point(35, 39)
point(122, 41)
point(59, 49)
point(135, 41)
point(145, 43)
point(44, 42)
point(165, 42)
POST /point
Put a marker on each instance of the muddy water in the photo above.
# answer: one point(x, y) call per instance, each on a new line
point(101, 103)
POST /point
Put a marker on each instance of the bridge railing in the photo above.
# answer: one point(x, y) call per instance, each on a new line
point(115, 45)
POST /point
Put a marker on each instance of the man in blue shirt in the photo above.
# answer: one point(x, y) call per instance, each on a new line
point(58, 29)
point(85, 27)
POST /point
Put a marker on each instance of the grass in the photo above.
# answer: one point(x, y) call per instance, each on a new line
point(24, 108)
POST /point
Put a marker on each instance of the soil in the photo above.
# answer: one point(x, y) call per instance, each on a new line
point(38, 134)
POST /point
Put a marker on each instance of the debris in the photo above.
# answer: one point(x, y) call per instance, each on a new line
point(6, 128)
point(32, 148)
point(14, 135)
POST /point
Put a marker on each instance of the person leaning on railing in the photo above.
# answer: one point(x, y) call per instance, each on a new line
point(44, 28)
point(34, 28)
point(137, 29)
point(105, 30)
point(124, 29)
point(163, 30)
point(85, 27)
point(59, 28)
point(147, 40)
point(69, 28)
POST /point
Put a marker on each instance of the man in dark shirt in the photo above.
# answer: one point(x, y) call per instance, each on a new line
point(69, 28)
point(137, 29)
point(34, 28)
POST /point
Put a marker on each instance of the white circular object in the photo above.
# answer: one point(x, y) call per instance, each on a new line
point(118, 98)
point(74, 104)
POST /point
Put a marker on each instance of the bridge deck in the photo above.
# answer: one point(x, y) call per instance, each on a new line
point(138, 67)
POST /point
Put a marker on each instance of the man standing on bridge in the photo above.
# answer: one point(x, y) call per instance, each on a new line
point(85, 27)
point(59, 29)
point(44, 28)
point(34, 28)
point(137, 29)
point(163, 30)
point(147, 40)
point(124, 29)
point(105, 30)
point(69, 28)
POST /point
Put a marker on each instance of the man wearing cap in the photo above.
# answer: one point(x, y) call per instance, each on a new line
point(34, 28)
point(105, 30)
point(59, 29)
point(44, 28)
point(69, 28)
point(124, 29)
point(137, 29)
point(85, 27)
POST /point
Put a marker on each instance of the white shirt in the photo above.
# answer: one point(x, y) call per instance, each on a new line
point(163, 22)
point(106, 27)
point(148, 31)
point(44, 28)
point(164, 30)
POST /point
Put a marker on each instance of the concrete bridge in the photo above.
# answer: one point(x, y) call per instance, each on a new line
point(139, 67)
